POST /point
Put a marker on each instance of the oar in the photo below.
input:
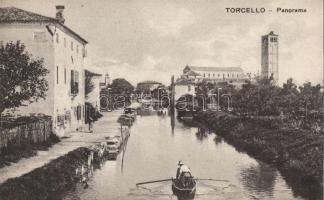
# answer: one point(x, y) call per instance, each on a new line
point(211, 179)
point(169, 179)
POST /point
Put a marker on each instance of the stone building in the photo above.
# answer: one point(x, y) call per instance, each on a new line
point(270, 56)
point(233, 75)
point(192, 75)
point(63, 51)
point(184, 87)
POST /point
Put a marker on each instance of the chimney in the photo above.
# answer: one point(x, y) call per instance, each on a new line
point(59, 13)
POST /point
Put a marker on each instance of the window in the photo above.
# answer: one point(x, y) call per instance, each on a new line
point(218, 75)
point(77, 48)
point(64, 75)
point(208, 75)
point(74, 82)
point(204, 75)
point(84, 52)
point(71, 45)
point(64, 42)
point(227, 75)
point(189, 88)
point(213, 75)
point(39, 36)
point(232, 75)
point(78, 112)
point(237, 75)
point(273, 39)
point(57, 74)
point(57, 38)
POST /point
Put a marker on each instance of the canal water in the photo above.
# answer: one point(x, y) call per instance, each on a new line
point(152, 152)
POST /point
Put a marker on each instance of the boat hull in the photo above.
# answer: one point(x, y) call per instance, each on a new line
point(112, 155)
point(183, 193)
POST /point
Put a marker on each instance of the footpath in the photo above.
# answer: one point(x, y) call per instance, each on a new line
point(105, 126)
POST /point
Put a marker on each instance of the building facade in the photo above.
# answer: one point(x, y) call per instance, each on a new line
point(192, 75)
point(270, 56)
point(104, 81)
point(233, 75)
point(63, 52)
point(93, 96)
point(147, 86)
point(184, 87)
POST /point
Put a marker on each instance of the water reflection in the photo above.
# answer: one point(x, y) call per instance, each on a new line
point(123, 153)
point(218, 139)
point(153, 152)
point(259, 179)
point(172, 121)
point(201, 134)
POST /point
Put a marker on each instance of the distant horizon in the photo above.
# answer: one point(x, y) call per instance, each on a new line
point(143, 40)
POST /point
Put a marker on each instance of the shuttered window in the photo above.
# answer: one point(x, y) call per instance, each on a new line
point(79, 113)
point(74, 82)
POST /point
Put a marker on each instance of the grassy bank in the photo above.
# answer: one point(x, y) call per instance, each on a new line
point(49, 182)
point(14, 152)
point(296, 153)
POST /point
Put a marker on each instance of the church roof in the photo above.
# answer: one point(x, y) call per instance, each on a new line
point(192, 73)
point(149, 82)
point(216, 69)
point(182, 81)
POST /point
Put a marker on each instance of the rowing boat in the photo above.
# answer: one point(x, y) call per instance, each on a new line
point(187, 192)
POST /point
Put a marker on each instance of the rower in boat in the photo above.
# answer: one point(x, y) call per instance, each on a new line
point(184, 185)
point(183, 174)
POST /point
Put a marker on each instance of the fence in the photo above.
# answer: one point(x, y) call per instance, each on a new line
point(33, 132)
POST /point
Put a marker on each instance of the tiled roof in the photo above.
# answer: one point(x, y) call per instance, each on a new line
point(216, 69)
point(149, 82)
point(13, 14)
point(182, 81)
point(192, 73)
point(90, 73)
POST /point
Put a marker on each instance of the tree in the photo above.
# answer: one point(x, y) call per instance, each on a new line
point(22, 78)
point(121, 91)
point(309, 102)
point(259, 99)
point(288, 97)
point(121, 86)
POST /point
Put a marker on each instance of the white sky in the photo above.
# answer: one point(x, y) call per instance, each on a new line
point(153, 39)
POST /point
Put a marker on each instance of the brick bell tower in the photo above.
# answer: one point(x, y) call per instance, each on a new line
point(270, 56)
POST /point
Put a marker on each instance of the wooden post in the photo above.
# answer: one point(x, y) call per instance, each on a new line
point(172, 95)
point(121, 132)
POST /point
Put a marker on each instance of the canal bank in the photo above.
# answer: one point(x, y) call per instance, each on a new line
point(296, 153)
point(106, 126)
point(50, 181)
point(65, 173)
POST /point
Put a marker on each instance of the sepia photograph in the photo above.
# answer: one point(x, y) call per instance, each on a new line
point(161, 99)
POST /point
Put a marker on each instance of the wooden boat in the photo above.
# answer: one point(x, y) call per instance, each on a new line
point(184, 192)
